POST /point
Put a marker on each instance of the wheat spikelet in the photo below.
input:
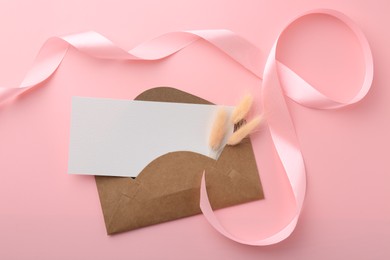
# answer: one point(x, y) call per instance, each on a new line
point(218, 130)
point(242, 108)
point(244, 131)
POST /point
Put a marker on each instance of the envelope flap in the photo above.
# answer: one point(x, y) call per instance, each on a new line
point(169, 188)
point(168, 94)
point(172, 173)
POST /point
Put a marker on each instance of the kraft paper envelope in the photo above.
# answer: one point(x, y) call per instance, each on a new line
point(168, 187)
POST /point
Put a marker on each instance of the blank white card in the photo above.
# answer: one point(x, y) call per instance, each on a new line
point(120, 137)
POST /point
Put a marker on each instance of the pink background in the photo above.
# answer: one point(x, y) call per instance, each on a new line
point(47, 214)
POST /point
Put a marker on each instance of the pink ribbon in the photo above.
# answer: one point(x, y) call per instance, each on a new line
point(278, 81)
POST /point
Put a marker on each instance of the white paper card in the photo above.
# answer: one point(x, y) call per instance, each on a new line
point(120, 137)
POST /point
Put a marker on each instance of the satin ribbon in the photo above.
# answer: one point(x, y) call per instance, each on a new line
point(279, 82)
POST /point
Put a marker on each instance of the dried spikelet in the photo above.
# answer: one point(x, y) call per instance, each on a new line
point(244, 131)
point(242, 108)
point(219, 128)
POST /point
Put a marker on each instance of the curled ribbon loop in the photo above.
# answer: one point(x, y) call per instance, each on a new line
point(278, 81)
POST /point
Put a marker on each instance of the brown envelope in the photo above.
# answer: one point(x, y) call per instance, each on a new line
point(168, 188)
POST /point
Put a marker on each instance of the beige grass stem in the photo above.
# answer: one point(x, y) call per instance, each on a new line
point(219, 129)
point(242, 108)
point(244, 131)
